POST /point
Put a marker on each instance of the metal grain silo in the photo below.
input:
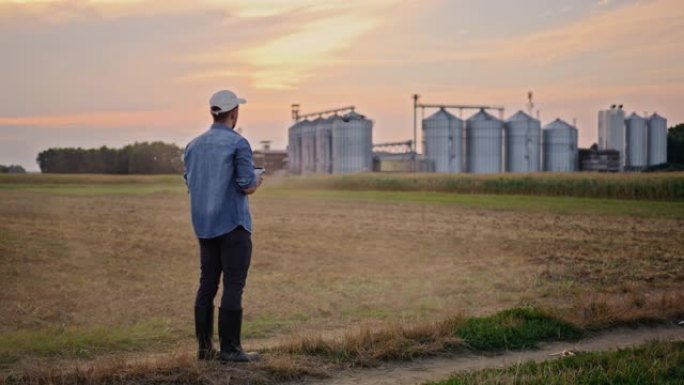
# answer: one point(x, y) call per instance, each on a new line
point(294, 148)
point(352, 144)
point(523, 143)
point(611, 126)
point(484, 139)
point(657, 140)
point(560, 147)
point(308, 147)
point(324, 145)
point(442, 133)
point(637, 143)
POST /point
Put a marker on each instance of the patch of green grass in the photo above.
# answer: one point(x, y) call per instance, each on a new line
point(659, 363)
point(82, 341)
point(557, 205)
point(366, 312)
point(92, 185)
point(266, 325)
point(517, 328)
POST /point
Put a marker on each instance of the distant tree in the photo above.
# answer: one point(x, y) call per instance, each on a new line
point(16, 169)
point(12, 169)
point(675, 144)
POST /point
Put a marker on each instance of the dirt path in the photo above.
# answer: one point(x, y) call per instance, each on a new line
point(420, 371)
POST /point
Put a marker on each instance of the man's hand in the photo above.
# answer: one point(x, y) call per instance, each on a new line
point(252, 190)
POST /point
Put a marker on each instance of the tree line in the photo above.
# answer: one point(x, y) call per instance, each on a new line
point(137, 158)
point(675, 144)
point(11, 169)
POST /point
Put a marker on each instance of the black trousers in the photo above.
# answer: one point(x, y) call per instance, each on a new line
point(229, 254)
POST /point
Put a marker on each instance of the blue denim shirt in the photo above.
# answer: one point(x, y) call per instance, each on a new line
point(218, 166)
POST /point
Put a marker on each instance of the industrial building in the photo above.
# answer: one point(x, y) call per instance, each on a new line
point(274, 161)
point(340, 141)
point(641, 142)
point(330, 144)
point(595, 160)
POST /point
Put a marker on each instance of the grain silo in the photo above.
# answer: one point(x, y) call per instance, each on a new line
point(560, 147)
point(523, 143)
point(612, 131)
point(636, 134)
point(308, 149)
point(324, 144)
point(442, 133)
point(484, 140)
point(352, 144)
point(657, 140)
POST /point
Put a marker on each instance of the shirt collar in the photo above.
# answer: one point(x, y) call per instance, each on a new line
point(221, 126)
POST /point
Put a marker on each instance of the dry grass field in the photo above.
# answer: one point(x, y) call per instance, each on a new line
point(93, 266)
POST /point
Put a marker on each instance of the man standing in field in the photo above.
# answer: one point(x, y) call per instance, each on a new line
point(219, 173)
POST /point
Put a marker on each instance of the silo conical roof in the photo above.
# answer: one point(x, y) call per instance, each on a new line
point(482, 115)
point(634, 116)
point(558, 124)
point(353, 115)
point(442, 114)
point(520, 116)
point(655, 116)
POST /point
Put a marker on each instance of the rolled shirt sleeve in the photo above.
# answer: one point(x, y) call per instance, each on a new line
point(244, 166)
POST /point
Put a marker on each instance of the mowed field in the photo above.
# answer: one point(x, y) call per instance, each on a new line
point(107, 265)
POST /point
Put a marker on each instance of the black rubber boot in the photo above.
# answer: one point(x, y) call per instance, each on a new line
point(204, 330)
point(230, 327)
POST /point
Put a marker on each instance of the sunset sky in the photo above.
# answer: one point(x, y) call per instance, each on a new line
point(104, 72)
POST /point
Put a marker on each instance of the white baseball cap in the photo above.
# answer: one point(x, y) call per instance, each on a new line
point(225, 100)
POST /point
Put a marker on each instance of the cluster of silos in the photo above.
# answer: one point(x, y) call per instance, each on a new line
point(480, 147)
point(641, 142)
point(337, 144)
point(560, 147)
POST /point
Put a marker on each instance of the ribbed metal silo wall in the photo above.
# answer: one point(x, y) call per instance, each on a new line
point(657, 140)
point(484, 144)
point(637, 143)
point(523, 144)
point(612, 132)
point(560, 150)
point(308, 147)
point(323, 149)
point(352, 146)
point(443, 132)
